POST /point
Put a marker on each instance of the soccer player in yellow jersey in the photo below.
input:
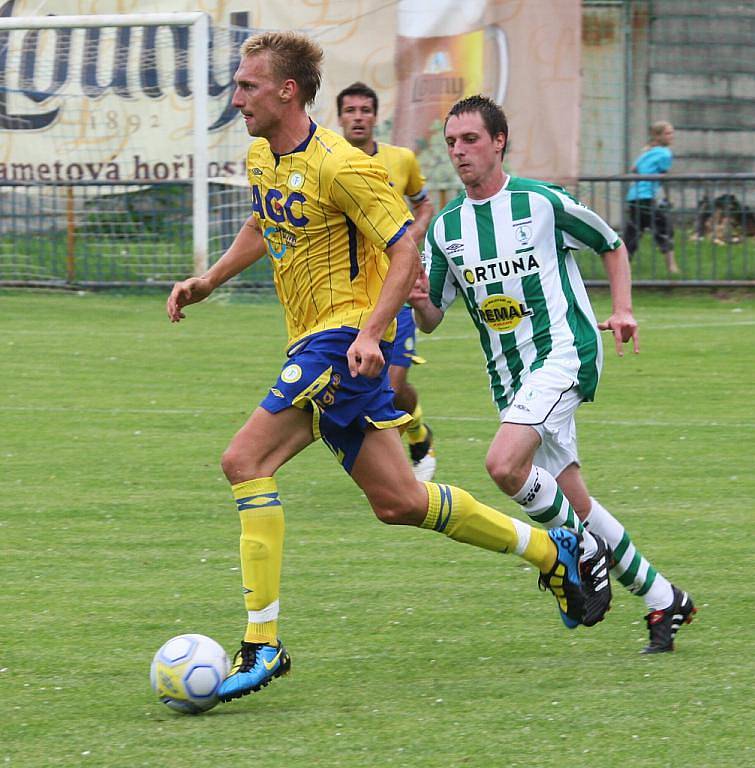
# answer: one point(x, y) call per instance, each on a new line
point(335, 232)
point(357, 107)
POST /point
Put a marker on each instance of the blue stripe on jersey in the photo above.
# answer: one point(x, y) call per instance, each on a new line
point(353, 261)
point(398, 235)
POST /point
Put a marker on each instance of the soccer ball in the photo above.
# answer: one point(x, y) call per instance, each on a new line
point(187, 671)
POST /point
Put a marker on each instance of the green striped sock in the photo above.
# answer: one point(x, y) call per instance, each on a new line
point(632, 570)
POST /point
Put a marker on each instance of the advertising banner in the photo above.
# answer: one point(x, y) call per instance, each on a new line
point(116, 104)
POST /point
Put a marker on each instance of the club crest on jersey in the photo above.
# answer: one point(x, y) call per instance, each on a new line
point(502, 313)
point(523, 234)
point(291, 373)
point(495, 271)
point(295, 180)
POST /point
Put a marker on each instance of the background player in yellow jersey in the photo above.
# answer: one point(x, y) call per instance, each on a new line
point(335, 232)
point(357, 106)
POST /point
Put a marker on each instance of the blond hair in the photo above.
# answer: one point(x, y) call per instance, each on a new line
point(293, 56)
point(657, 129)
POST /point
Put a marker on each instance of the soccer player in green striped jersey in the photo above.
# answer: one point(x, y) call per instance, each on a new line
point(506, 247)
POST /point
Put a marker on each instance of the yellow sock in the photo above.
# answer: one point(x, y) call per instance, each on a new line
point(416, 431)
point(461, 517)
point(261, 548)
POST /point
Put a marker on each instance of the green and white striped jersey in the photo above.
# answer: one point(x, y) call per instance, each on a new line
point(510, 258)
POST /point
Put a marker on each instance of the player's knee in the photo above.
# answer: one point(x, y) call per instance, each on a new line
point(398, 382)
point(229, 463)
point(391, 514)
point(506, 472)
point(237, 465)
point(401, 401)
point(401, 508)
point(405, 398)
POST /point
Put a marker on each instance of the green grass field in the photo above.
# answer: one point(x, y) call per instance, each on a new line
point(117, 531)
point(697, 259)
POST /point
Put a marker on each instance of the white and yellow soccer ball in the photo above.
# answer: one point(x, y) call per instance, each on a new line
point(187, 671)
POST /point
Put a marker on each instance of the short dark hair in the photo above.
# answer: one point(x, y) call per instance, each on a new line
point(357, 89)
point(493, 116)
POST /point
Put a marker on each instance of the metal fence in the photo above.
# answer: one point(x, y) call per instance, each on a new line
point(712, 223)
point(94, 234)
point(100, 235)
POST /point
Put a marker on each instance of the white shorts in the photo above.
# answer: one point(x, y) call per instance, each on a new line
point(547, 402)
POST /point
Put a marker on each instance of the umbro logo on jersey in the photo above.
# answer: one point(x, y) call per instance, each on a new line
point(454, 247)
point(257, 171)
point(495, 271)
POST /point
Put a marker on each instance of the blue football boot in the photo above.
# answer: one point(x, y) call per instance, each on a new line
point(254, 666)
point(563, 579)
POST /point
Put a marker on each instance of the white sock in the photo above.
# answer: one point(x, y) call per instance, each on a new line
point(544, 502)
point(631, 568)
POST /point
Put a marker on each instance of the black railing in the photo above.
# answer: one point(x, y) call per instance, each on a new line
point(712, 217)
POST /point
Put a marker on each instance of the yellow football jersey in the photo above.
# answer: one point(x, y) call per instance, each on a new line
point(327, 213)
point(403, 170)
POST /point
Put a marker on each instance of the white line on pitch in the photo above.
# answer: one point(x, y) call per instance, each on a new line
point(643, 326)
point(430, 417)
point(613, 422)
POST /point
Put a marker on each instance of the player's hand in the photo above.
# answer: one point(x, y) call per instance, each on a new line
point(365, 357)
point(420, 291)
point(624, 327)
point(186, 292)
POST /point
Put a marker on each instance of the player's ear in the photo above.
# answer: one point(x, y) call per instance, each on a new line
point(288, 90)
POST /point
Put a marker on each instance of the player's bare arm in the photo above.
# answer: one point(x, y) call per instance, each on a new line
point(364, 354)
point(247, 247)
point(423, 212)
point(426, 315)
point(621, 322)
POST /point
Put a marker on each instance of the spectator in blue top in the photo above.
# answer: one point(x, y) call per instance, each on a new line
point(643, 211)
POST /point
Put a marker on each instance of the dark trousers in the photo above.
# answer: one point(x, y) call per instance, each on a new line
point(645, 214)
